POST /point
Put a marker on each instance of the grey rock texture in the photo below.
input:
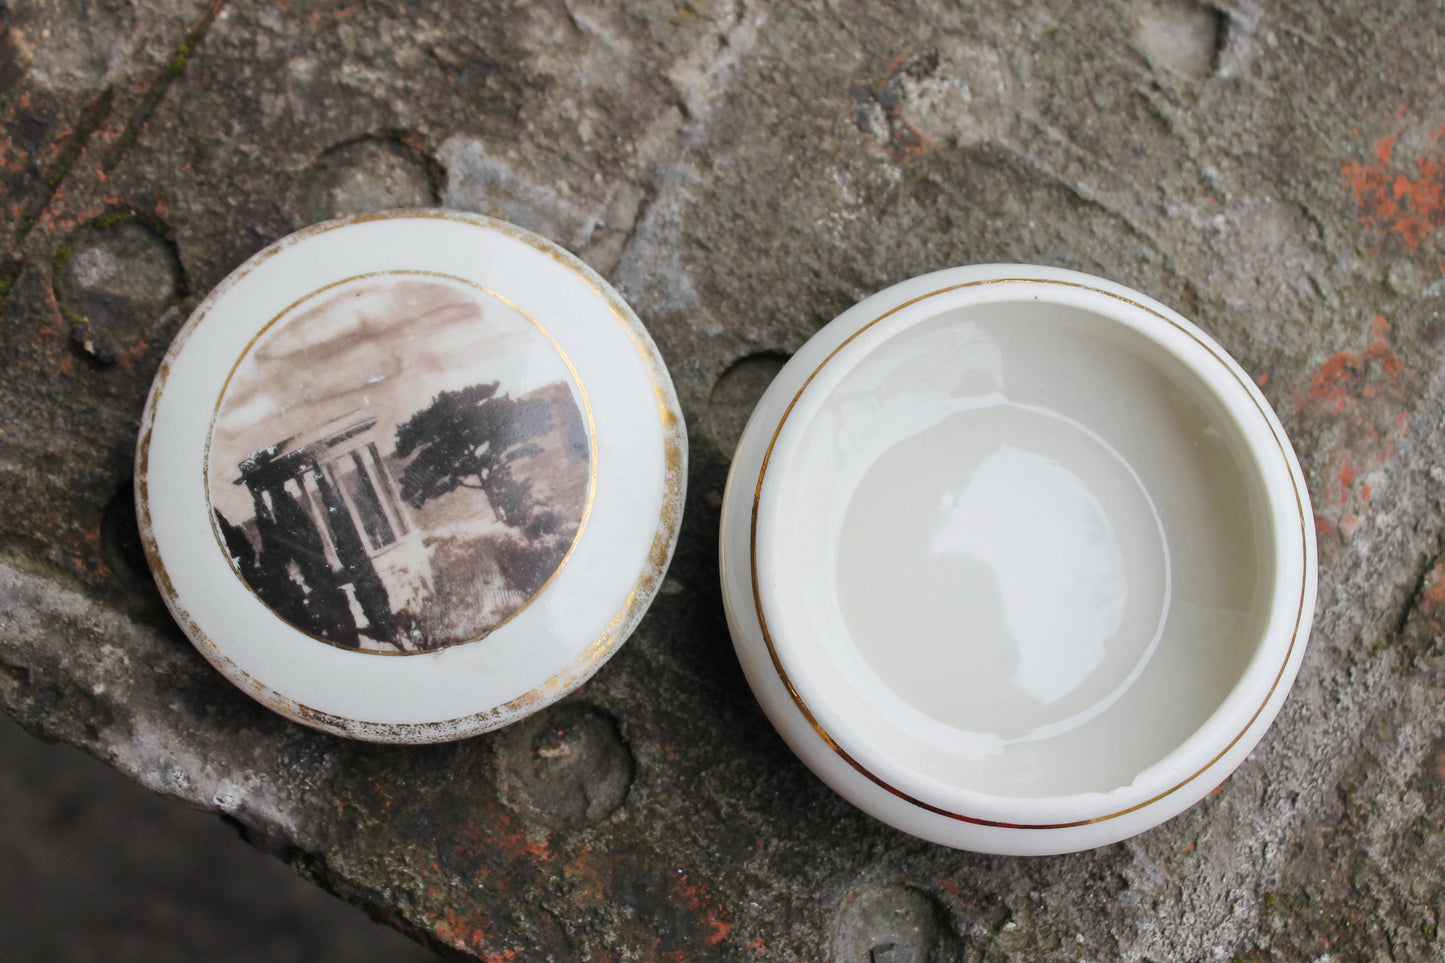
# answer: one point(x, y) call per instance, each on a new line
point(100, 870)
point(743, 171)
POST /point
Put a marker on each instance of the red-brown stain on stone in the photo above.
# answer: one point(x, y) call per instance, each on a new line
point(1346, 375)
point(670, 909)
point(904, 141)
point(698, 897)
point(86, 557)
point(464, 930)
point(1433, 594)
point(1405, 201)
point(586, 882)
point(957, 891)
point(1359, 401)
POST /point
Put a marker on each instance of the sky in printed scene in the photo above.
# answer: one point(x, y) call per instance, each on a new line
point(372, 347)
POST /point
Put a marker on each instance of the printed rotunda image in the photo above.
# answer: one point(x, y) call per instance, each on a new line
point(400, 463)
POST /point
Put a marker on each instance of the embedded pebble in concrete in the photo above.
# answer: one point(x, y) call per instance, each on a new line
point(479, 180)
point(74, 44)
point(568, 764)
point(1182, 36)
point(733, 397)
point(370, 174)
point(94, 346)
point(891, 924)
point(114, 279)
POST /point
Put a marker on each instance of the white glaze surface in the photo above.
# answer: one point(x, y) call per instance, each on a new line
point(1003, 575)
point(1027, 553)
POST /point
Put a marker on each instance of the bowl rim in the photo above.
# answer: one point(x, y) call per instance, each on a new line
point(1236, 722)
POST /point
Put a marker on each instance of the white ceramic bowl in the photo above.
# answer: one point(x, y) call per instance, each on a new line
point(1017, 559)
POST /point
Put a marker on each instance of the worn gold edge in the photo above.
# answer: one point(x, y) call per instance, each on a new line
point(594, 656)
point(877, 780)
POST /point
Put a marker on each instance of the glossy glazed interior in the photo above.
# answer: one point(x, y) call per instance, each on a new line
point(1014, 548)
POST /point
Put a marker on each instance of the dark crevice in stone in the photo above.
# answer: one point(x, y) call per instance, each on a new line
point(1415, 594)
point(95, 348)
point(10, 66)
point(93, 116)
point(120, 538)
point(1222, 28)
point(156, 92)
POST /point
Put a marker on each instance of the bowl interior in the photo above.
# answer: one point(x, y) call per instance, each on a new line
point(1017, 548)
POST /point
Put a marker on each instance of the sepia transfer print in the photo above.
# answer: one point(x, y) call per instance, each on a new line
point(399, 463)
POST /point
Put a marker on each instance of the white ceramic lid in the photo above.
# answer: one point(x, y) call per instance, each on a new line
point(409, 476)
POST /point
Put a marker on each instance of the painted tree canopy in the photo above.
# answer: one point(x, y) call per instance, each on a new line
point(468, 439)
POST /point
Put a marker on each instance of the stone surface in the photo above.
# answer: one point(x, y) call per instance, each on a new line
point(99, 870)
point(115, 279)
point(891, 924)
point(743, 171)
point(370, 174)
point(567, 763)
point(733, 396)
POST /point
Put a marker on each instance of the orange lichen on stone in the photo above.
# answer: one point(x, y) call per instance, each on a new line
point(588, 883)
point(1360, 398)
point(1385, 147)
point(498, 836)
point(1346, 475)
point(1395, 203)
point(697, 896)
point(1344, 374)
point(1433, 594)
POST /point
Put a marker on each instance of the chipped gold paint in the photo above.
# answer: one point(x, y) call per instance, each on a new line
point(592, 658)
point(576, 379)
point(808, 713)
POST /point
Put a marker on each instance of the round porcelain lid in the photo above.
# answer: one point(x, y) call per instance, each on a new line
point(409, 476)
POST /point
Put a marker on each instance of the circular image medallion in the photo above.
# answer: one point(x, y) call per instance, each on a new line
point(400, 462)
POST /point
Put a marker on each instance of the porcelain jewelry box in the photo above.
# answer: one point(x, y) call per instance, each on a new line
point(1015, 559)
